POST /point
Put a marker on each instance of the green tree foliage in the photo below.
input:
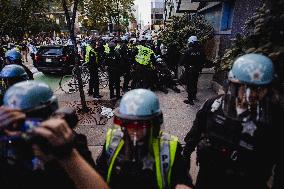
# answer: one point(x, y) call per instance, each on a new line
point(102, 12)
point(181, 28)
point(264, 34)
point(18, 17)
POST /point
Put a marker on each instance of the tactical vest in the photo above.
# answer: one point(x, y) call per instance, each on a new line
point(230, 141)
point(88, 50)
point(164, 149)
point(144, 55)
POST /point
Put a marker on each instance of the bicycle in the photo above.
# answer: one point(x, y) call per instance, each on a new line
point(69, 83)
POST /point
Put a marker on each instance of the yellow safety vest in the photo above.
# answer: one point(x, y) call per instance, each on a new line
point(88, 50)
point(144, 55)
point(164, 148)
point(106, 47)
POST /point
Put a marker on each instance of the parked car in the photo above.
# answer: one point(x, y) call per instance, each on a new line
point(58, 59)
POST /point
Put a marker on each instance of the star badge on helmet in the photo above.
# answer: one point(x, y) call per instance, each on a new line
point(131, 107)
point(256, 75)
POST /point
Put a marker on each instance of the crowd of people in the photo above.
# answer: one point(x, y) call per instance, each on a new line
point(236, 135)
point(140, 63)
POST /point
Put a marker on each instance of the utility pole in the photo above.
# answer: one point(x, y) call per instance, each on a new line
point(71, 25)
point(117, 9)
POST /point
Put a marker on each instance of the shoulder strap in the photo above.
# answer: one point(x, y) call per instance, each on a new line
point(114, 144)
point(113, 139)
point(156, 150)
point(169, 143)
point(164, 152)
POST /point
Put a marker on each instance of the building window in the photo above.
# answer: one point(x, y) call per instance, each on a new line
point(158, 16)
point(227, 16)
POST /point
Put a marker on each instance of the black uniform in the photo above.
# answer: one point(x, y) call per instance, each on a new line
point(94, 75)
point(193, 60)
point(129, 174)
point(234, 154)
point(171, 58)
point(114, 72)
point(53, 176)
point(125, 62)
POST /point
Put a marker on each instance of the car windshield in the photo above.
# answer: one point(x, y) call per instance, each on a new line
point(51, 51)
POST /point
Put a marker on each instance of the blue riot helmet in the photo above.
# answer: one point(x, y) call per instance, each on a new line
point(192, 39)
point(34, 98)
point(139, 104)
point(249, 81)
point(12, 74)
point(140, 118)
point(252, 69)
point(13, 56)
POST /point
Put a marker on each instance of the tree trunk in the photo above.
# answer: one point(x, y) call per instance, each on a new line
point(70, 24)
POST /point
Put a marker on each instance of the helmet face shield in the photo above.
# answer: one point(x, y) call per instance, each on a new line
point(138, 131)
point(242, 98)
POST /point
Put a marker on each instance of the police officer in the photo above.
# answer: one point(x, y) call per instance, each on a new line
point(237, 134)
point(144, 70)
point(193, 60)
point(106, 48)
point(14, 57)
point(10, 75)
point(31, 162)
point(92, 60)
point(114, 71)
point(137, 154)
point(165, 77)
point(125, 61)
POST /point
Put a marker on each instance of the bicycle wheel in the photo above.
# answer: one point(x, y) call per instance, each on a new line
point(69, 84)
point(85, 75)
point(103, 79)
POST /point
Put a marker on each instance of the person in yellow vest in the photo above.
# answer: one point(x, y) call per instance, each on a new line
point(144, 69)
point(106, 48)
point(91, 58)
point(136, 153)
